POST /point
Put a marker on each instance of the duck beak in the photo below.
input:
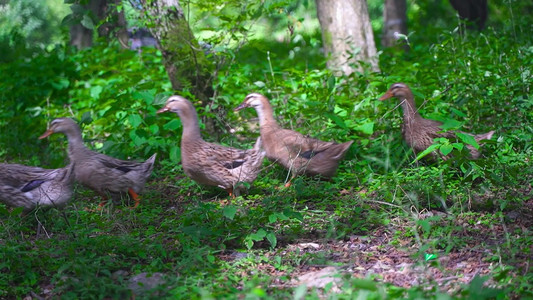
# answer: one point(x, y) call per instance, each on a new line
point(46, 134)
point(386, 96)
point(243, 105)
point(162, 110)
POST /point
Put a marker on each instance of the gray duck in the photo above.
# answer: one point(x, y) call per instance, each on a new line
point(297, 153)
point(418, 132)
point(104, 174)
point(208, 163)
point(31, 187)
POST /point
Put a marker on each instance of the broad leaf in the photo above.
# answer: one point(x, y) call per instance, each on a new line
point(229, 211)
point(271, 237)
point(135, 120)
point(172, 124)
point(427, 151)
point(87, 22)
point(258, 236)
point(175, 154)
point(468, 139)
point(445, 149)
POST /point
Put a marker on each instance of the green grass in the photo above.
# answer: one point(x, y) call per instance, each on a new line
point(391, 227)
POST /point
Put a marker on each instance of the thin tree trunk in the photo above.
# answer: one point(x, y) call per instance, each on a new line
point(122, 24)
point(347, 34)
point(80, 35)
point(185, 61)
point(395, 22)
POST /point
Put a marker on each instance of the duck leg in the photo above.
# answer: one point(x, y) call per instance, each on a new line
point(103, 202)
point(230, 192)
point(135, 197)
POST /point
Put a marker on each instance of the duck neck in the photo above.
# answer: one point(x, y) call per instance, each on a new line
point(410, 113)
point(189, 121)
point(75, 141)
point(266, 115)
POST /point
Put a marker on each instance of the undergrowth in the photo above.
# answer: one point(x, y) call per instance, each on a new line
point(481, 81)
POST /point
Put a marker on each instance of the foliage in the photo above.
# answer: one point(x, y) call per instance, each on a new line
point(27, 25)
point(475, 82)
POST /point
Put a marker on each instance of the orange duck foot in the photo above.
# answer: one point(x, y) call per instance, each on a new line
point(135, 198)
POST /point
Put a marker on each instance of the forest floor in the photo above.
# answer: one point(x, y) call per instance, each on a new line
point(449, 258)
point(391, 254)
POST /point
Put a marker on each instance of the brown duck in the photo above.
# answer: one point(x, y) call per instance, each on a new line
point(104, 174)
point(297, 153)
point(30, 187)
point(208, 163)
point(418, 132)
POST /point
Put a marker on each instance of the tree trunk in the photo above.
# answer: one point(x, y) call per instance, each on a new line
point(185, 62)
point(122, 26)
point(86, 15)
point(346, 34)
point(81, 37)
point(89, 15)
point(395, 22)
point(475, 11)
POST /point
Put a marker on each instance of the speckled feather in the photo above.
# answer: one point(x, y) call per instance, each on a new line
point(419, 133)
point(298, 153)
point(29, 187)
point(208, 163)
point(102, 173)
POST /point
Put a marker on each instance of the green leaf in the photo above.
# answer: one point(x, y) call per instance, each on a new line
point(259, 84)
point(366, 128)
point(458, 112)
point(341, 112)
point(135, 120)
point(248, 243)
point(338, 120)
point(331, 84)
point(271, 238)
point(258, 236)
point(86, 118)
point(175, 154)
point(300, 292)
point(229, 211)
point(96, 91)
point(172, 124)
point(136, 137)
point(445, 149)
point(450, 124)
point(467, 139)
point(63, 83)
point(430, 256)
point(154, 128)
point(272, 218)
point(365, 284)
point(458, 146)
point(87, 22)
point(147, 96)
point(425, 225)
point(427, 151)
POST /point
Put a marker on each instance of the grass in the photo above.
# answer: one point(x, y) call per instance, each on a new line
point(385, 226)
point(203, 248)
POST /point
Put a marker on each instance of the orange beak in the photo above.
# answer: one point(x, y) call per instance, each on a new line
point(162, 110)
point(386, 96)
point(46, 134)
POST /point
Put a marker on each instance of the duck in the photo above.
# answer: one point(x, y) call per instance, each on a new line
point(209, 163)
point(106, 175)
point(295, 152)
point(418, 132)
point(30, 187)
